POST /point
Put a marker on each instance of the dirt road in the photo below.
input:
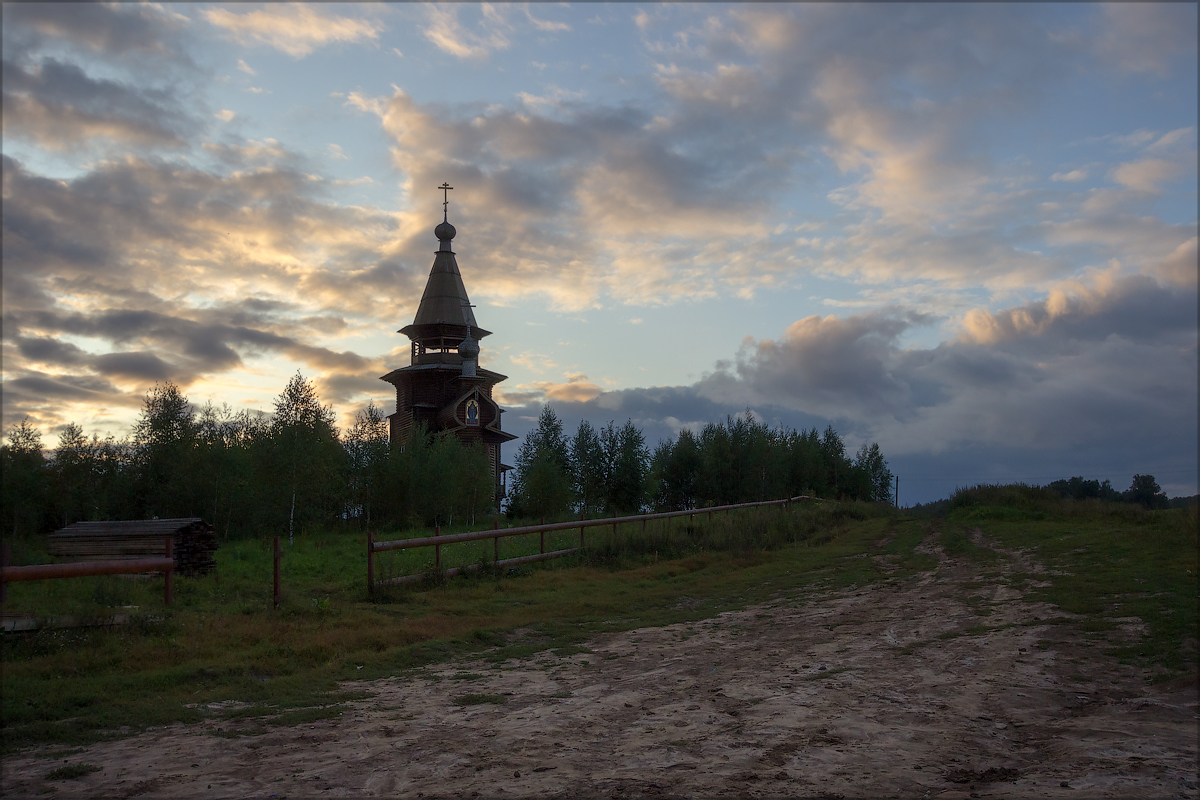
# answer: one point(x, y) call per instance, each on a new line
point(946, 684)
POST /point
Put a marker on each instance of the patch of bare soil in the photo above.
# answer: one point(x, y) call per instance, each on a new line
point(950, 684)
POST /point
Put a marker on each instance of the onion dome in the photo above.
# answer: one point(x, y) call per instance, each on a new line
point(444, 231)
point(468, 348)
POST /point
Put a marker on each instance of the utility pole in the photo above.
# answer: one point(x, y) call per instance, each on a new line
point(896, 495)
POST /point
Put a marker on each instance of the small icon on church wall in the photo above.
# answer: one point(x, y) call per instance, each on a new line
point(472, 412)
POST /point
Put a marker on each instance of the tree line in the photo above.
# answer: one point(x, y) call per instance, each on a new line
point(738, 460)
point(245, 471)
point(249, 472)
point(1144, 491)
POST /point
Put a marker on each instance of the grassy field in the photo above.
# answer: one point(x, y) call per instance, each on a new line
point(222, 641)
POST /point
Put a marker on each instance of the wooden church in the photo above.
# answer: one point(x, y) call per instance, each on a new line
point(443, 386)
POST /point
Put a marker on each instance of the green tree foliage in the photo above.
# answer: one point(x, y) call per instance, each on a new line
point(243, 471)
point(1081, 489)
point(240, 470)
point(431, 479)
point(872, 473)
point(679, 477)
point(717, 476)
point(542, 486)
point(232, 448)
point(743, 460)
point(163, 447)
point(589, 471)
point(455, 480)
point(806, 465)
point(628, 465)
point(24, 480)
point(833, 450)
point(1145, 492)
point(367, 448)
point(307, 455)
point(72, 475)
point(402, 499)
point(93, 479)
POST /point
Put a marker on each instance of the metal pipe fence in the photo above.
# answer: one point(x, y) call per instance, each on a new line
point(80, 569)
point(437, 541)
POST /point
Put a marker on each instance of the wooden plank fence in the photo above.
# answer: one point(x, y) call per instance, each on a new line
point(79, 569)
point(497, 533)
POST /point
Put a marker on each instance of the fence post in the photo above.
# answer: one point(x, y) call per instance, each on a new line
point(370, 568)
point(581, 516)
point(542, 538)
point(170, 570)
point(276, 555)
point(437, 549)
point(4, 556)
point(496, 541)
point(614, 524)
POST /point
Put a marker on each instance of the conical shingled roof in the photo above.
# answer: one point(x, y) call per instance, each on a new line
point(445, 299)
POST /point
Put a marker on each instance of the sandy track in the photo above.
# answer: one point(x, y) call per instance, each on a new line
point(818, 694)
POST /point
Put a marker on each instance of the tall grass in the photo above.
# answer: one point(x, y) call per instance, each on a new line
point(740, 532)
point(1015, 502)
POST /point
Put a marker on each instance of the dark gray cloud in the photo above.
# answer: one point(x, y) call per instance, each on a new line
point(126, 31)
point(1099, 382)
point(48, 350)
point(33, 389)
point(141, 366)
point(205, 347)
point(774, 57)
point(57, 105)
point(150, 248)
point(345, 389)
point(57, 95)
point(1135, 307)
point(823, 364)
point(149, 347)
point(52, 400)
point(133, 220)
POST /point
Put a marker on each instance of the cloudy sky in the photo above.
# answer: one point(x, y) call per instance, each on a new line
point(967, 232)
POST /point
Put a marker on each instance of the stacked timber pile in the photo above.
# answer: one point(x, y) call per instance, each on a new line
point(194, 542)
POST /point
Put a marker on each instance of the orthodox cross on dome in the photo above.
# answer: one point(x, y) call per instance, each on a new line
point(445, 187)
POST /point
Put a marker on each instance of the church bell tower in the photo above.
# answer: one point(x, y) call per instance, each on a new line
point(443, 386)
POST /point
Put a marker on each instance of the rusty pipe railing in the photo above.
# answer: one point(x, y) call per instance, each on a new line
point(81, 569)
point(437, 541)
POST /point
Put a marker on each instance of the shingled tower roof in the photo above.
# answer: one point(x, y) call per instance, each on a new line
point(445, 300)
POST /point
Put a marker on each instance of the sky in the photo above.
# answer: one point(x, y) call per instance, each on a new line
point(965, 232)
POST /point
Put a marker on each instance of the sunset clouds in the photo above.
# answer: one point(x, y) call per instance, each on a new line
point(293, 28)
point(947, 228)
